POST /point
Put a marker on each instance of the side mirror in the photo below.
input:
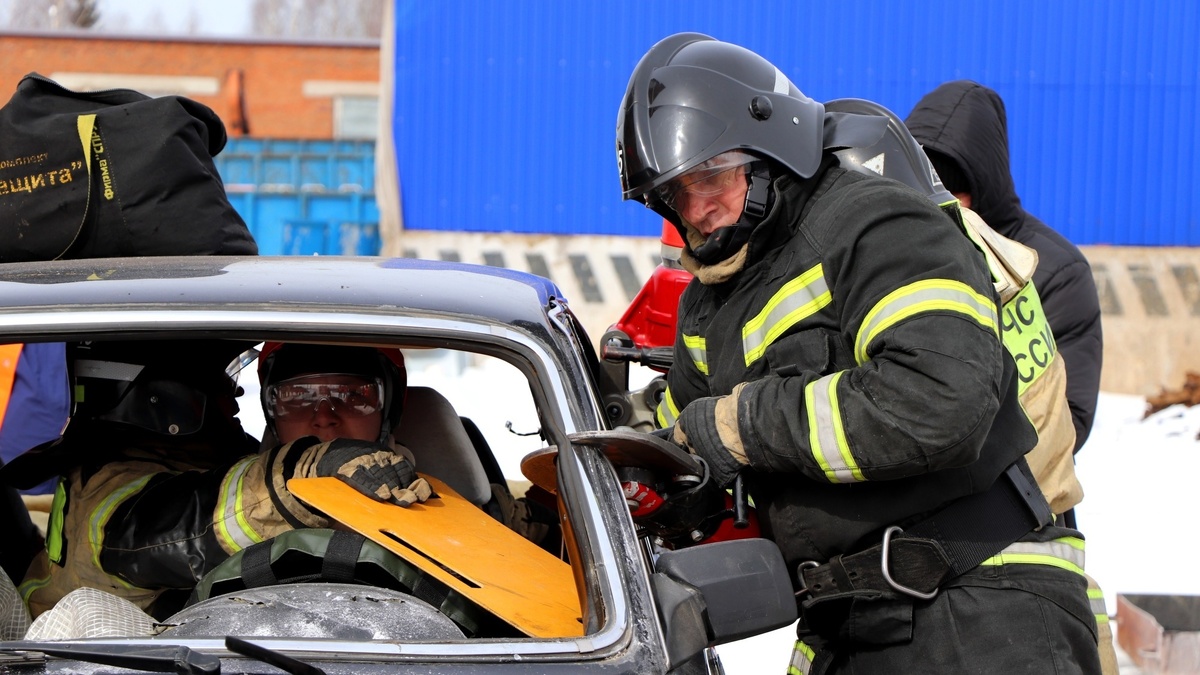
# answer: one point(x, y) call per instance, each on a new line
point(736, 588)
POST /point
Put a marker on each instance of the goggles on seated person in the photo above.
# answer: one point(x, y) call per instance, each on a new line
point(348, 395)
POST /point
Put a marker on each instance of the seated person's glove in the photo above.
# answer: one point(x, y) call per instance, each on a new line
point(708, 427)
point(373, 469)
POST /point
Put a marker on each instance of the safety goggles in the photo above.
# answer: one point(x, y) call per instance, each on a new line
point(709, 179)
point(347, 395)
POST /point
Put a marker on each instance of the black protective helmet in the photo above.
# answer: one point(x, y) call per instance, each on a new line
point(897, 155)
point(692, 97)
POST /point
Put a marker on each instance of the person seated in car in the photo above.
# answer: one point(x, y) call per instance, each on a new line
point(323, 393)
point(160, 483)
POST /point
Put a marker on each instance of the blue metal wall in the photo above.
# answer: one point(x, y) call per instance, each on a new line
point(505, 111)
point(300, 197)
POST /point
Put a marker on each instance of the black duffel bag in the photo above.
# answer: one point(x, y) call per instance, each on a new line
point(112, 173)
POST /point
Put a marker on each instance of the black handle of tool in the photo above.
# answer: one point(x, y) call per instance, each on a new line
point(741, 505)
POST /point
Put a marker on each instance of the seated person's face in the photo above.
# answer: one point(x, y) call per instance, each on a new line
point(327, 406)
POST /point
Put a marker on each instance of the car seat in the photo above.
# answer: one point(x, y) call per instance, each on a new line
point(433, 431)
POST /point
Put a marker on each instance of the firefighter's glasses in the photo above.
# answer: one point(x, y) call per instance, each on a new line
point(347, 395)
point(707, 180)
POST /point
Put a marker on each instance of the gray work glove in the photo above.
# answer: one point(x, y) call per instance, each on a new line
point(373, 469)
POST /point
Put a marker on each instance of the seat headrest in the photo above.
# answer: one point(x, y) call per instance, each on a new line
point(432, 430)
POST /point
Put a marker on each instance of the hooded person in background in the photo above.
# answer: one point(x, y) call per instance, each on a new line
point(964, 130)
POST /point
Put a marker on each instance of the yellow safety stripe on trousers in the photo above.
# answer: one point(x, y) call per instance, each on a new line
point(929, 295)
point(100, 515)
point(826, 435)
point(1027, 336)
point(30, 586)
point(802, 659)
point(799, 299)
point(667, 411)
point(1096, 599)
point(1065, 553)
point(697, 348)
point(232, 527)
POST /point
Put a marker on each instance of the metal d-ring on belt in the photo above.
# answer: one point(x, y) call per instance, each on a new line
point(917, 561)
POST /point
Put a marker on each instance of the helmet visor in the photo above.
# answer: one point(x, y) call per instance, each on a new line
point(708, 179)
point(347, 395)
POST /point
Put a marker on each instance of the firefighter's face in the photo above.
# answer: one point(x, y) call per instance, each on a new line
point(720, 206)
point(328, 407)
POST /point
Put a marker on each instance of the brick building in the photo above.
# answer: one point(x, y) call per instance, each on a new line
point(263, 88)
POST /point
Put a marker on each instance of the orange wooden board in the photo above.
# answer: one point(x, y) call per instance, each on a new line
point(460, 545)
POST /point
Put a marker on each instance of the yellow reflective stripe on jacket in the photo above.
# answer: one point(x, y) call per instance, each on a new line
point(697, 348)
point(1096, 600)
point(930, 295)
point(1027, 336)
point(233, 528)
point(799, 299)
point(1065, 553)
point(667, 411)
point(826, 435)
point(100, 515)
point(802, 659)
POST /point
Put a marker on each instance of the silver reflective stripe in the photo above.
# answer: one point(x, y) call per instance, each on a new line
point(1096, 600)
point(802, 659)
point(233, 528)
point(697, 348)
point(1065, 553)
point(930, 295)
point(107, 370)
point(826, 436)
point(799, 299)
point(667, 411)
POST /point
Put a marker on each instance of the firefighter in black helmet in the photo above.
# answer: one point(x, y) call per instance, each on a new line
point(839, 348)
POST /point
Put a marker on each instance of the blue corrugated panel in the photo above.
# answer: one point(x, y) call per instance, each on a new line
point(329, 237)
point(304, 196)
point(505, 112)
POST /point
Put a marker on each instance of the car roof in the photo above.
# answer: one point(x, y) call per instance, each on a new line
point(349, 283)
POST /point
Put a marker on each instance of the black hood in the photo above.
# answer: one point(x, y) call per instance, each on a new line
point(966, 121)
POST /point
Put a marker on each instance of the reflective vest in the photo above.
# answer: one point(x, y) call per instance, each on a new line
point(1041, 373)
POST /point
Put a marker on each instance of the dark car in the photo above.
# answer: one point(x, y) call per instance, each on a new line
point(640, 607)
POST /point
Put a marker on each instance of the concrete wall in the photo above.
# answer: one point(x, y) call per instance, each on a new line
point(1150, 297)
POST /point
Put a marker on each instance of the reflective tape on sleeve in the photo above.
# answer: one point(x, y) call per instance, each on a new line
point(1027, 336)
point(929, 295)
point(799, 299)
point(697, 349)
point(826, 435)
point(100, 515)
point(667, 411)
point(232, 527)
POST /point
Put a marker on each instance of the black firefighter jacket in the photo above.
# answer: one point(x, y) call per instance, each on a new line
point(966, 122)
point(865, 326)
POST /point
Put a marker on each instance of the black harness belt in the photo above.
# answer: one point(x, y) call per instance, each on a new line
point(916, 561)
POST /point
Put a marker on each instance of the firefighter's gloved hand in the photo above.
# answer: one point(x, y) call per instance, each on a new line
point(372, 469)
point(708, 427)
